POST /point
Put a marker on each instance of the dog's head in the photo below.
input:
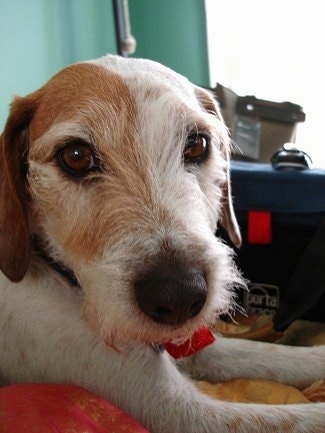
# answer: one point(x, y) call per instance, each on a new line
point(120, 167)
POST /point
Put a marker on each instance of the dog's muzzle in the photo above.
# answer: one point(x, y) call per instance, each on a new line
point(171, 294)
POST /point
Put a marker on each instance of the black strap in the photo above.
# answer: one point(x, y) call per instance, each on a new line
point(59, 267)
point(307, 284)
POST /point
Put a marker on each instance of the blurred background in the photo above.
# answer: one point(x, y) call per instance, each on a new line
point(272, 50)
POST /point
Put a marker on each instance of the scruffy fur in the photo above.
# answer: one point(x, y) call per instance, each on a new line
point(143, 210)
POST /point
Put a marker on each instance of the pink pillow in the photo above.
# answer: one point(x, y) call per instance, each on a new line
point(50, 408)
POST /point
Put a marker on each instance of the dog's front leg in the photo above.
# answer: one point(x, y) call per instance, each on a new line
point(230, 358)
point(150, 387)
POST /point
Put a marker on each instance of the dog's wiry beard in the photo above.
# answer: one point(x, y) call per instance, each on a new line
point(117, 320)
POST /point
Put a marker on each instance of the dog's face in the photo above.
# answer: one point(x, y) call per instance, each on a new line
point(120, 167)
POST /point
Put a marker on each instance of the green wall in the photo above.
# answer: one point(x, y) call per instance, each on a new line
point(172, 32)
point(39, 37)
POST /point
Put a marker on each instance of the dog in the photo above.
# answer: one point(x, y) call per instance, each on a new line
point(114, 176)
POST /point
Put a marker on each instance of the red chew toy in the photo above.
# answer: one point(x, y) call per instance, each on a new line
point(200, 339)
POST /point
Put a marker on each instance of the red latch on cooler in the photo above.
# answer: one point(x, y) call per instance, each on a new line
point(259, 228)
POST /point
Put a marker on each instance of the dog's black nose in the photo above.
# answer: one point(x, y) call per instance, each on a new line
point(171, 294)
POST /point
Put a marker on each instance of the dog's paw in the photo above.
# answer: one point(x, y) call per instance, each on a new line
point(312, 419)
point(301, 418)
point(313, 363)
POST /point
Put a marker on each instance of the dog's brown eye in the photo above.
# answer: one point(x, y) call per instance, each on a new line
point(76, 158)
point(196, 148)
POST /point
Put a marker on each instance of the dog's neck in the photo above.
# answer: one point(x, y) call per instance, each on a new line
point(59, 267)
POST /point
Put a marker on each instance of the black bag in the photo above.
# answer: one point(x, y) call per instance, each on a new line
point(281, 214)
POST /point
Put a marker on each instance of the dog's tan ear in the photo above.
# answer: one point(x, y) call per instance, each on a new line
point(228, 218)
point(14, 230)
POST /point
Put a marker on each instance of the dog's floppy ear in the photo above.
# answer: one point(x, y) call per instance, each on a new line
point(228, 218)
point(14, 230)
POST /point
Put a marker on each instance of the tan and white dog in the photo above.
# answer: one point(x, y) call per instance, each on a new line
point(113, 177)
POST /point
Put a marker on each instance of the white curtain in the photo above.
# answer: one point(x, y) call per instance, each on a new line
point(273, 50)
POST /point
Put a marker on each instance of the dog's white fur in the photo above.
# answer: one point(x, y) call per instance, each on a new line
point(144, 206)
